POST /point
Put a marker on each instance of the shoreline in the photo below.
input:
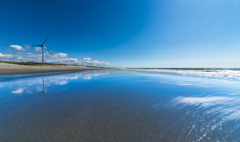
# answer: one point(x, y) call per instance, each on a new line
point(13, 69)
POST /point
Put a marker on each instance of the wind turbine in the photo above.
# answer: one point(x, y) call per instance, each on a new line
point(42, 49)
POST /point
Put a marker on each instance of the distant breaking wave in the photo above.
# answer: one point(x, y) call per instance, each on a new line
point(219, 73)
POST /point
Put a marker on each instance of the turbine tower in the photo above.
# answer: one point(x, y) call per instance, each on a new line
point(42, 49)
point(45, 90)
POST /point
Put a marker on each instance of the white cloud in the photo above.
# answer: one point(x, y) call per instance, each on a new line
point(6, 56)
point(39, 88)
point(16, 47)
point(90, 62)
point(63, 60)
point(9, 56)
point(86, 58)
point(95, 62)
point(33, 55)
point(88, 77)
point(86, 61)
point(63, 82)
point(59, 55)
point(55, 58)
point(226, 106)
point(39, 49)
point(18, 91)
point(22, 57)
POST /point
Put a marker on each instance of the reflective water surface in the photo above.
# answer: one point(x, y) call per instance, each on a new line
point(115, 105)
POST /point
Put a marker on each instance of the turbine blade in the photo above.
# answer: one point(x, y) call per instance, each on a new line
point(48, 87)
point(45, 40)
point(47, 50)
point(46, 96)
point(33, 45)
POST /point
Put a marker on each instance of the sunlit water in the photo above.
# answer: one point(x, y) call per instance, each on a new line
point(115, 105)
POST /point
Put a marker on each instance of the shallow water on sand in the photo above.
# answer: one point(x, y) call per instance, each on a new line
point(114, 105)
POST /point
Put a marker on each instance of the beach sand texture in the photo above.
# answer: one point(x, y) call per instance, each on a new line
point(9, 69)
point(118, 106)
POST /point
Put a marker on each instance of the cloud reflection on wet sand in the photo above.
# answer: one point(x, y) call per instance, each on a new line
point(211, 113)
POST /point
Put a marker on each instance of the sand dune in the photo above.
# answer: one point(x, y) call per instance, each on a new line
point(9, 69)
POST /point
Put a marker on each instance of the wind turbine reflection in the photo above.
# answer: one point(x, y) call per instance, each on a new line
point(45, 90)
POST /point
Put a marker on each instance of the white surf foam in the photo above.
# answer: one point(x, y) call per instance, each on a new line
point(209, 73)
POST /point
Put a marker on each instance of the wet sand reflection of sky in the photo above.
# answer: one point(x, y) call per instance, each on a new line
point(119, 105)
point(36, 84)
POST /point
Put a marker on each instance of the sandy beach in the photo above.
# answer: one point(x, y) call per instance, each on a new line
point(10, 69)
point(118, 105)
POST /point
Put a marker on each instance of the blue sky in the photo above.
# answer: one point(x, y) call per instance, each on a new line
point(123, 33)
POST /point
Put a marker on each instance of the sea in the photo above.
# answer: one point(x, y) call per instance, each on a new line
point(217, 73)
point(170, 104)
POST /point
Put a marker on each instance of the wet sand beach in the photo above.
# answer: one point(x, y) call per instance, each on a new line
point(10, 69)
point(113, 105)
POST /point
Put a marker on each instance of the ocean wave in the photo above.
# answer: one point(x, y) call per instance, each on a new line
point(229, 74)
